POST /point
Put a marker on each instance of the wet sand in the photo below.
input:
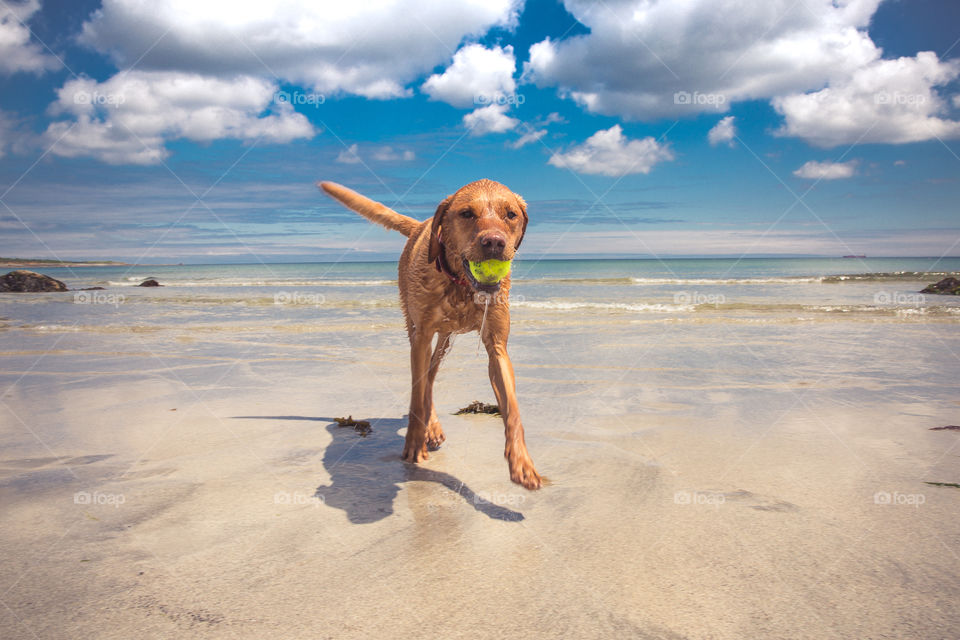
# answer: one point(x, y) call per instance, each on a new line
point(709, 480)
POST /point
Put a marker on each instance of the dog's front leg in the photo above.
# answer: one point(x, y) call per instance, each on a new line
point(435, 435)
point(415, 447)
point(522, 470)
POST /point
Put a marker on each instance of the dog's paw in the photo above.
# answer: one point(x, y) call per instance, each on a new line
point(415, 452)
point(522, 470)
point(435, 436)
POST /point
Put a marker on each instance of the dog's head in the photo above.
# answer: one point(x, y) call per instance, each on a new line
point(483, 220)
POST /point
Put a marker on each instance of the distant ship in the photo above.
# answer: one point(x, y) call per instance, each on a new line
point(854, 256)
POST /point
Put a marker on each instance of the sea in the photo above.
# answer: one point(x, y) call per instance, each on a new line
point(305, 295)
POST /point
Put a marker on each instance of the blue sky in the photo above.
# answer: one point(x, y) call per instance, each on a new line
point(194, 131)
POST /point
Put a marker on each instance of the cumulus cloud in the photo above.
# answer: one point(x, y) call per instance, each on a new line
point(608, 152)
point(128, 118)
point(814, 170)
point(645, 59)
point(331, 47)
point(723, 132)
point(490, 119)
point(17, 52)
point(891, 101)
point(477, 76)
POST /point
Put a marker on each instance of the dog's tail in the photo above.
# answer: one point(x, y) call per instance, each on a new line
point(370, 209)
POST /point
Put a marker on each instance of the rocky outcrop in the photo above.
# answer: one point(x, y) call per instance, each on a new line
point(947, 286)
point(149, 282)
point(29, 281)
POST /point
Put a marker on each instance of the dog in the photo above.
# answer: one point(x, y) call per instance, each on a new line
point(441, 297)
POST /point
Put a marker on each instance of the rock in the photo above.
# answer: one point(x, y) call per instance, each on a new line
point(947, 286)
point(23, 281)
point(93, 289)
point(149, 282)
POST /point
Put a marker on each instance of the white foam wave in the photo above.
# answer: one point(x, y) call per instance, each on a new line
point(718, 281)
point(133, 282)
point(562, 305)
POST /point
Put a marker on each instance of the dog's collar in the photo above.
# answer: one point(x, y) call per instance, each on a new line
point(443, 267)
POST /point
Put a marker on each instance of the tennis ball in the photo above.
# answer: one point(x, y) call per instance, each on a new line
point(490, 271)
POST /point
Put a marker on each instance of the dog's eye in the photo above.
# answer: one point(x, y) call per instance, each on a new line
point(511, 215)
point(466, 213)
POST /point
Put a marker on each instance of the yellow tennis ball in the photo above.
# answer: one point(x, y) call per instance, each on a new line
point(490, 271)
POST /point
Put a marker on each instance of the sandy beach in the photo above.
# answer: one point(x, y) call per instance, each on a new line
point(711, 477)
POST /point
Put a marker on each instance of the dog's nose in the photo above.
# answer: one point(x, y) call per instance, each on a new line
point(493, 243)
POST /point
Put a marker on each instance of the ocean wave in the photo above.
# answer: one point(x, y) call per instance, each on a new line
point(561, 305)
point(891, 276)
point(133, 282)
point(718, 281)
point(738, 308)
point(919, 276)
point(632, 280)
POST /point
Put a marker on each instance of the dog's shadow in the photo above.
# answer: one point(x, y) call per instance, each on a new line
point(366, 472)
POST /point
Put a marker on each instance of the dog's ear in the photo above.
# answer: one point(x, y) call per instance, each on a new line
point(523, 212)
point(435, 229)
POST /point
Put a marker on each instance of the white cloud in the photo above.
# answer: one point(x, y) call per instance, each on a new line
point(814, 170)
point(608, 152)
point(535, 130)
point(350, 155)
point(17, 52)
point(129, 117)
point(723, 132)
point(956, 101)
point(477, 76)
point(389, 154)
point(640, 53)
point(888, 101)
point(351, 47)
point(490, 119)
point(531, 136)
point(900, 163)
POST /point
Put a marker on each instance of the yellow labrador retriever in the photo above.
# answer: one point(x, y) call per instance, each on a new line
point(440, 296)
